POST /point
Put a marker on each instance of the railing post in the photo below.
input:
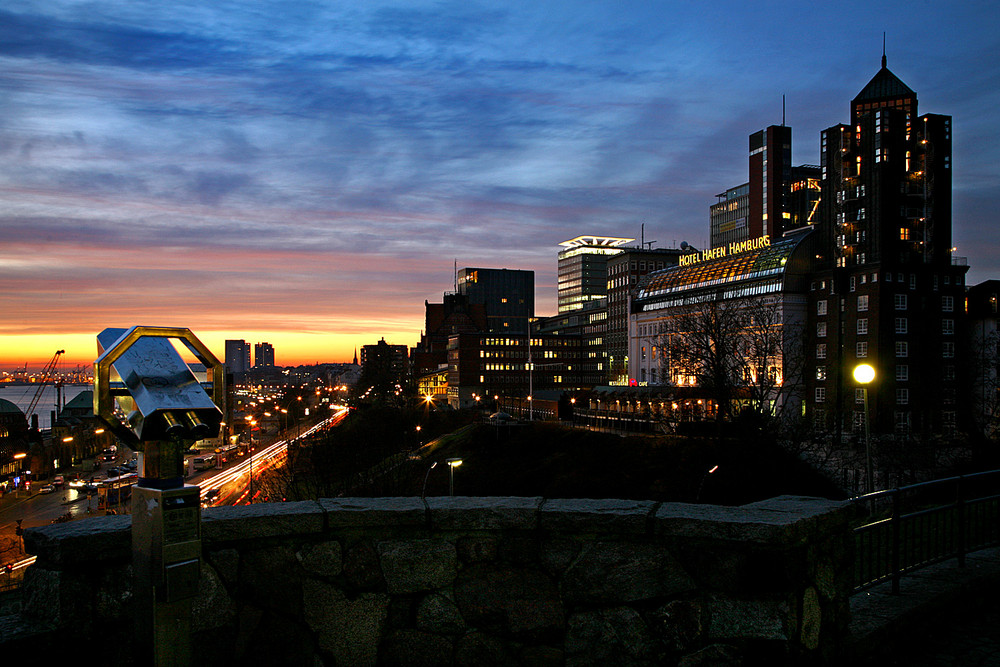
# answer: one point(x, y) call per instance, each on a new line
point(960, 509)
point(895, 540)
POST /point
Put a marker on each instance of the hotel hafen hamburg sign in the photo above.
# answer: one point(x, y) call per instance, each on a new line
point(734, 248)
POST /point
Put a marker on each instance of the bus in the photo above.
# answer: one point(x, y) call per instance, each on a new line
point(116, 491)
point(204, 462)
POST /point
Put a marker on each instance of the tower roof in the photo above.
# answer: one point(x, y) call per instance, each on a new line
point(884, 85)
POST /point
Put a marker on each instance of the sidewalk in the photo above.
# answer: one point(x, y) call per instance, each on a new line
point(944, 615)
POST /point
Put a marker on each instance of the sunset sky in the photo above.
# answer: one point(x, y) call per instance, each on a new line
point(307, 173)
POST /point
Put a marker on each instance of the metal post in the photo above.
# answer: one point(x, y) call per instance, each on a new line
point(868, 447)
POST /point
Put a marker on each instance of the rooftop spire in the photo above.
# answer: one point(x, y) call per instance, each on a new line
point(883, 51)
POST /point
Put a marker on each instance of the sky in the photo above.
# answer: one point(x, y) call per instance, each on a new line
point(309, 173)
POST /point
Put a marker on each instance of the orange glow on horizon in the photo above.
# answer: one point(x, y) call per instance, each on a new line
point(290, 349)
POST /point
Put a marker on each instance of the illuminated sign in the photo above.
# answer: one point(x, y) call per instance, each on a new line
point(734, 248)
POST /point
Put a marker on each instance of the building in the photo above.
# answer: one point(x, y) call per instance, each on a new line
point(14, 442)
point(455, 314)
point(508, 296)
point(263, 355)
point(237, 356)
point(984, 352)
point(886, 290)
point(384, 368)
point(777, 198)
point(730, 324)
point(509, 369)
point(625, 270)
point(583, 272)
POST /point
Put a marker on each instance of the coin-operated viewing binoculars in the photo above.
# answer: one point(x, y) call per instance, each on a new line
point(151, 400)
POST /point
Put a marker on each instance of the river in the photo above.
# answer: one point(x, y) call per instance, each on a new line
point(21, 395)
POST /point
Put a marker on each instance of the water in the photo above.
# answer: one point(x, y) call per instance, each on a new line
point(21, 396)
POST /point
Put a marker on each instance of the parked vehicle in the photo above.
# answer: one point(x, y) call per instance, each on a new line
point(48, 488)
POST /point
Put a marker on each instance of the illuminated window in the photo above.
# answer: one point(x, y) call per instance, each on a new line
point(862, 303)
point(904, 234)
point(821, 307)
point(821, 373)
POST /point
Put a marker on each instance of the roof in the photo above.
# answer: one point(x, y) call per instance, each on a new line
point(883, 85)
point(8, 407)
point(82, 401)
point(770, 261)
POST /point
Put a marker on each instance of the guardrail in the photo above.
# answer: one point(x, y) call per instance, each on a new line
point(911, 527)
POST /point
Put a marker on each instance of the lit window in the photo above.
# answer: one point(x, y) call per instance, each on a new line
point(862, 303)
point(821, 307)
point(904, 234)
point(821, 373)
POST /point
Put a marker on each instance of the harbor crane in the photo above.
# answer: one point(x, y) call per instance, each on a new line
point(46, 374)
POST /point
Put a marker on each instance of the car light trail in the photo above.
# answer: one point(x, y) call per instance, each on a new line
point(263, 458)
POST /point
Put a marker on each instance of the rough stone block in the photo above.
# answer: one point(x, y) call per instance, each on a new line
point(477, 649)
point(617, 572)
point(616, 636)
point(322, 559)
point(748, 619)
point(373, 512)
point(678, 624)
point(105, 538)
point(627, 517)
point(349, 629)
point(483, 513)
point(477, 549)
point(509, 601)
point(213, 607)
point(361, 567)
point(439, 614)
point(228, 524)
point(272, 579)
point(411, 566)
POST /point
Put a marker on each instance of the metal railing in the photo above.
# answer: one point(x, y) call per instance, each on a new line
point(911, 527)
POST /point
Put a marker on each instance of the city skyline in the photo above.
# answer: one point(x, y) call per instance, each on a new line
point(310, 175)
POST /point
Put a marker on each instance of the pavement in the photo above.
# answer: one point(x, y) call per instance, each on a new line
point(944, 615)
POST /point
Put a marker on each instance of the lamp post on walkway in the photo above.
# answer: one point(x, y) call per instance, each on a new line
point(864, 374)
point(452, 464)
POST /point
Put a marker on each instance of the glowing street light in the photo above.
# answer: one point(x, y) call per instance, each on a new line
point(863, 375)
point(452, 464)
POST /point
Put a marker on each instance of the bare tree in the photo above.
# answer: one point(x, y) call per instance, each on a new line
point(742, 353)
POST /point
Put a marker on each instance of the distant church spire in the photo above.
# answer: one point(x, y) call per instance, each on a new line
point(355, 356)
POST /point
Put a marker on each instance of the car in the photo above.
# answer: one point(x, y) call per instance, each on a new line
point(48, 488)
point(58, 480)
point(77, 483)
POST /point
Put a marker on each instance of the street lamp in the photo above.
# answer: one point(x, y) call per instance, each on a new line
point(863, 375)
point(423, 490)
point(452, 464)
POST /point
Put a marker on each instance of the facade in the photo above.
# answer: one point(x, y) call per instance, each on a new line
point(583, 272)
point(14, 440)
point(887, 291)
point(456, 314)
point(625, 270)
point(760, 295)
point(777, 198)
point(984, 349)
point(263, 355)
point(237, 356)
point(507, 295)
point(507, 368)
point(384, 367)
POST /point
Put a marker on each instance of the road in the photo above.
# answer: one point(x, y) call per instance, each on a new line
point(233, 483)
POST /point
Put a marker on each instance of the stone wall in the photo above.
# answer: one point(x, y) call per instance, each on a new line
point(471, 581)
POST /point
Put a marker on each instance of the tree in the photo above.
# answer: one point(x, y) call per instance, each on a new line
point(740, 352)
